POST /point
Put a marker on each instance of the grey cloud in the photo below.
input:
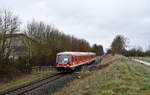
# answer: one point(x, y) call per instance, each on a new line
point(97, 21)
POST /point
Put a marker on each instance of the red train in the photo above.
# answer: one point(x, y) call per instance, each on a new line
point(66, 61)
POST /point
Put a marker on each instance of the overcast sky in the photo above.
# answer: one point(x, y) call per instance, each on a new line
point(97, 21)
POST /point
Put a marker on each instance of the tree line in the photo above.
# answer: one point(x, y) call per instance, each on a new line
point(42, 41)
point(46, 41)
point(119, 46)
point(137, 52)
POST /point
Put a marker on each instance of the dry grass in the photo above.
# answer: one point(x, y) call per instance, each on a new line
point(25, 79)
point(109, 58)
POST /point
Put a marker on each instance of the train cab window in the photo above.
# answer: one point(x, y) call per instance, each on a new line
point(63, 59)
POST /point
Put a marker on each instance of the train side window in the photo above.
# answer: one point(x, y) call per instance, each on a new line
point(73, 59)
point(79, 58)
point(76, 58)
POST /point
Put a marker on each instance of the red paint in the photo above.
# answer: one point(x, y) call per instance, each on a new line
point(78, 58)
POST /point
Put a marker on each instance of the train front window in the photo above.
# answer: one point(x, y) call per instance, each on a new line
point(63, 59)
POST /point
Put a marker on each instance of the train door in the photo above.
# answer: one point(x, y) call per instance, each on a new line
point(73, 60)
point(76, 60)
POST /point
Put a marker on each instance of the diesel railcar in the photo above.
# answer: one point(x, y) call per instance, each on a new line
point(68, 61)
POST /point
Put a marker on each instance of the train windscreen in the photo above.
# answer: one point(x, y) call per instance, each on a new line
point(63, 59)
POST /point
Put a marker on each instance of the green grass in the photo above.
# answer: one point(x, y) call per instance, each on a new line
point(25, 79)
point(147, 59)
point(122, 77)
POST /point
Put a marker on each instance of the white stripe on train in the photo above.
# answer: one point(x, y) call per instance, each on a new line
point(78, 64)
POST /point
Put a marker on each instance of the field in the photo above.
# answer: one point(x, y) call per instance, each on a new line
point(121, 77)
point(25, 79)
point(147, 59)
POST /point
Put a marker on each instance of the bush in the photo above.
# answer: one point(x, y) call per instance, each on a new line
point(24, 65)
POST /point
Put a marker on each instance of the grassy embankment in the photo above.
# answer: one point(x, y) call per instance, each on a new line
point(25, 79)
point(121, 77)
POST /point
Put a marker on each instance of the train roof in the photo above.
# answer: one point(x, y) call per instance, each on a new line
point(76, 53)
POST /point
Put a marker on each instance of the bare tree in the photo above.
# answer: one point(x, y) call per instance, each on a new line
point(46, 40)
point(98, 49)
point(148, 51)
point(118, 44)
point(9, 24)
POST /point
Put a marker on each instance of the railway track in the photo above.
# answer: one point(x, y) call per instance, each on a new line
point(28, 87)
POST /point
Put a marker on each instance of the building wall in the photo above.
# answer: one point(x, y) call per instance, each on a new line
point(18, 47)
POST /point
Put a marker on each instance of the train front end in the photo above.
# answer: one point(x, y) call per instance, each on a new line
point(63, 62)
